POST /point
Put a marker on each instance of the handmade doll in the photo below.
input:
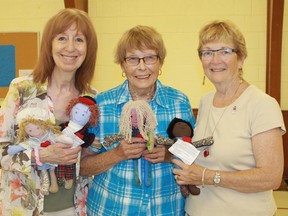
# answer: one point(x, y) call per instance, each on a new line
point(180, 129)
point(83, 112)
point(36, 131)
point(138, 120)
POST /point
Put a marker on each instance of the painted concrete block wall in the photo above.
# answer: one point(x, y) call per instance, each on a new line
point(178, 21)
point(284, 66)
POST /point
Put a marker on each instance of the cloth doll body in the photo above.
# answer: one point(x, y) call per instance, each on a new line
point(35, 132)
point(83, 112)
point(180, 129)
point(138, 120)
point(137, 162)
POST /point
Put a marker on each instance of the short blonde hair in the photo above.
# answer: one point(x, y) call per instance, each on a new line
point(223, 31)
point(140, 37)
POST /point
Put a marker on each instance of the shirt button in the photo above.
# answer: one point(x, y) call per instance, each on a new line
point(146, 195)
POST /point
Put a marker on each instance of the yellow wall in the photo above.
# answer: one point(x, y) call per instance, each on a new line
point(284, 75)
point(178, 21)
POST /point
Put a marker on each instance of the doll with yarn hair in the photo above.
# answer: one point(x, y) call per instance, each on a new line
point(83, 112)
point(181, 129)
point(36, 131)
point(138, 120)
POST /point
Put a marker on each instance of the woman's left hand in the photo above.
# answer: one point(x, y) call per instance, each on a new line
point(159, 154)
point(188, 174)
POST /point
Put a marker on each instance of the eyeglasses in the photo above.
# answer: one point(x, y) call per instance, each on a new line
point(148, 60)
point(223, 53)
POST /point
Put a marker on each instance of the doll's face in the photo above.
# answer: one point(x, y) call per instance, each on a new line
point(34, 130)
point(181, 129)
point(134, 118)
point(80, 114)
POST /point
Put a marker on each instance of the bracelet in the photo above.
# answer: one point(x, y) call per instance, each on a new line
point(36, 152)
point(203, 177)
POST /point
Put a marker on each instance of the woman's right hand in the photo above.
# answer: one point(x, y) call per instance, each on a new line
point(60, 153)
point(132, 150)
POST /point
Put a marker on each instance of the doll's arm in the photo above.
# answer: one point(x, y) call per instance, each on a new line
point(161, 140)
point(88, 139)
point(203, 142)
point(18, 162)
point(14, 149)
point(110, 140)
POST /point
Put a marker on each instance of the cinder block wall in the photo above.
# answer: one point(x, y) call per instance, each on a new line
point(178, 21)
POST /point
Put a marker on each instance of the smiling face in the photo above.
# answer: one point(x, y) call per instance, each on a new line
point(221, 70)
point(80, 114)
point(69, 50)
point(34, 130)
point(141, 77)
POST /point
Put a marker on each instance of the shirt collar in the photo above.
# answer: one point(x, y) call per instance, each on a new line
point(41, 88)
point(159, 98)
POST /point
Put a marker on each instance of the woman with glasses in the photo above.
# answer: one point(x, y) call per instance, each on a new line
point(239, 171)
point(140, 53)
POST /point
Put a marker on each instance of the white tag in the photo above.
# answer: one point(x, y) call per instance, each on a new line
point(185, 151)
point(76, 140)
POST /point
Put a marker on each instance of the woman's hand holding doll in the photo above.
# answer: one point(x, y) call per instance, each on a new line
point(131, 150)
point(138, 121)
point(37, 132)
point(59, 153)
point(159, 154)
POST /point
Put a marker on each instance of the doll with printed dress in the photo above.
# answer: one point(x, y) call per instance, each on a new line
point(36, 131)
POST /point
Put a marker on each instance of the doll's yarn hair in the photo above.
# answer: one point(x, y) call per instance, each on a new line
point(92, 106)
point(146, 119)
point(44, 124)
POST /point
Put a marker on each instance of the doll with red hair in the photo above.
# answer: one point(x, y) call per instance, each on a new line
point(83, 112)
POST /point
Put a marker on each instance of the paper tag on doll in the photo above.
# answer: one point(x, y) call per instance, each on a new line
point(185, 151)
point(76, 141)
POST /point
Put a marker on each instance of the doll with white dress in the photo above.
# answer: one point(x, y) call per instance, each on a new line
point(36, 131)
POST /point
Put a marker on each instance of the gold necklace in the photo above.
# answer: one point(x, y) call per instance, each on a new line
point(206, 150)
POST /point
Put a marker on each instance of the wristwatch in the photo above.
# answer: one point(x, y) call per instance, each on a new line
point(217, 178)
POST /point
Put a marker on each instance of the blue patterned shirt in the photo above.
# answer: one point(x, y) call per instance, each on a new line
point(114, 192)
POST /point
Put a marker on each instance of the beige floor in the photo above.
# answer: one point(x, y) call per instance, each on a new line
point(281, 198)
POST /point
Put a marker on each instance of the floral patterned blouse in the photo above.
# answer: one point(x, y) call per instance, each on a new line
point(20, 183)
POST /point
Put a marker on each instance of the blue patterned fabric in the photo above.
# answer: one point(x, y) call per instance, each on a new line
point(114, 192)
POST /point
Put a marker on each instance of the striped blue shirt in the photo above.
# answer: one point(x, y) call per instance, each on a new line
point(114, 192)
